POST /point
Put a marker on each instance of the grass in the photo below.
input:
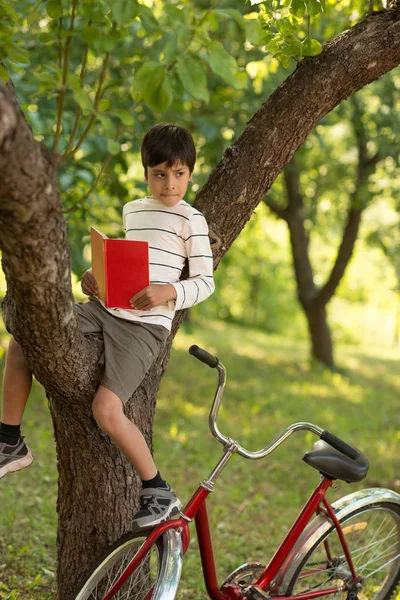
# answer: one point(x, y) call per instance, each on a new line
point(270, 385)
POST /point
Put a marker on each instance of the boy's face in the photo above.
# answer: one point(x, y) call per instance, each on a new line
point(168, 184)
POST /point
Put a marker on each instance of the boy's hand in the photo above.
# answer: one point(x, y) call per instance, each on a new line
point(89, 284)
point(153, 295)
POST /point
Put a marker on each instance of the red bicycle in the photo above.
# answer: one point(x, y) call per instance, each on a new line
point(350, 549)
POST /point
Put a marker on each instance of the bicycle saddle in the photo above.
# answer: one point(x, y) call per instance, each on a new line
point(335, 465)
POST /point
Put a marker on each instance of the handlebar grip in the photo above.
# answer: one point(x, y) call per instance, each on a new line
point(340, 445)
point(204, 356)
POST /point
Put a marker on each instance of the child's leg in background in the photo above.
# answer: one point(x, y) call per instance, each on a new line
point(17, 383)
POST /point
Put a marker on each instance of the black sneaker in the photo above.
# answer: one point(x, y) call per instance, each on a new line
point(156, 505)
point(14, 458)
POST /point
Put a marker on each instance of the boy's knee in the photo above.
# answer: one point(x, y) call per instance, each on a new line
point(106, 411)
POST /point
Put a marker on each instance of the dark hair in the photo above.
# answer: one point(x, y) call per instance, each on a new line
point(168, 143)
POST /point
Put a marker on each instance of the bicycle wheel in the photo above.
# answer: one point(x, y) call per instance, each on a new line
point(373, 537)
point(141, 583)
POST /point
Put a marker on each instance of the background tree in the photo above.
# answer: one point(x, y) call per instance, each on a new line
point(33, 235)
point(301, 213)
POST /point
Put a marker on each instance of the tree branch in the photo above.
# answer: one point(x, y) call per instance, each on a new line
point(357, 204)
point(278, 210)
point(35, 255)
point(61, 94)
point(97, 99)
point(347, 63)
point(78, 108)
point(343, 257)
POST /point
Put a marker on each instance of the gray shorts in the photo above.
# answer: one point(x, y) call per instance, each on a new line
point(130, 348)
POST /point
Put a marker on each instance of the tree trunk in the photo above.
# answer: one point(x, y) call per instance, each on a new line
point(320, 335)
point(307, 293)
point(98, 488)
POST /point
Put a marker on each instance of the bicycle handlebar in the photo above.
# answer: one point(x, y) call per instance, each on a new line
point(213, 362)
point(204, 356)
point(340, 445)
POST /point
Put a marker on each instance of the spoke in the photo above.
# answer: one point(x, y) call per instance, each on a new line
point(356, 553)
point(387, 553)
point(375, 534)
point(382, 566)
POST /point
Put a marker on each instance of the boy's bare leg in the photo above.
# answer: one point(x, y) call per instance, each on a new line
point(108, 412)
point(17, 383)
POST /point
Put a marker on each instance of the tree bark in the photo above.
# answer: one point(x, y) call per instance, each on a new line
point(95, 482)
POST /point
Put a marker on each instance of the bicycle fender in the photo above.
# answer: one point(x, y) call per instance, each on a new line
point(321, 524)
point(171, 567)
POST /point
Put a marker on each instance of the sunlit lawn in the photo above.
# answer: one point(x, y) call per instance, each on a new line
point(270, 385)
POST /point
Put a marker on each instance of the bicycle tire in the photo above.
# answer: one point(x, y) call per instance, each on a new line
point(372, 533)
point(144, 578)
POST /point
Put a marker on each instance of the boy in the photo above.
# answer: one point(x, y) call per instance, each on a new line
point(176, 232)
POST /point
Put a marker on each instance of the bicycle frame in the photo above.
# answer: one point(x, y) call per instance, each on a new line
point(196, 510)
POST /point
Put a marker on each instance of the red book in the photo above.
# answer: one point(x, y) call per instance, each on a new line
point(120, 267)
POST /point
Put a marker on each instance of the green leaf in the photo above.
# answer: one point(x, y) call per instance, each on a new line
point(10, 11)
point(44, 77)
point(313, 7)
point(152, 84)
point(175, 14)
point(90, 33)
point(85, 175)
point(148, 76)
point(292, 47)
point(284, 60)
point(159, 99)
point(113, 147)
point(33, 16)
point(104, 104)
point(74, 81)
point(124, 11)
point(222, 63)
point(4, 75)
point(54, 9)
point(94, 13)
point(17, 54)
point(242, 80)
point(82, 99)
point(107, 123)
point(311, 47)
point(193, 77)
point(148, 20)
point(230, 13)
point(286, 28)
point(298, 7)
point(255, 33)
point(124, 115)
point(46, 37)
point(274, 45)
point(170, 49)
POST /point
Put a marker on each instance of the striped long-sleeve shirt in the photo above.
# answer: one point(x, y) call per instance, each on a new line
point(175, 234)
